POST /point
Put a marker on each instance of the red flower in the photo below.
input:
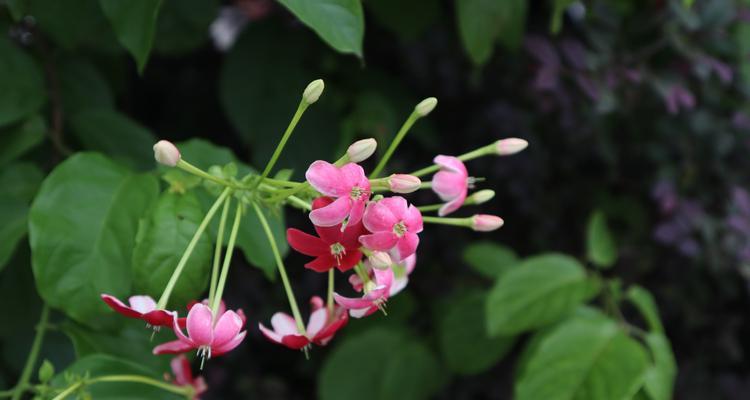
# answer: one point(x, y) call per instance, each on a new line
point(334, 247)
point(183, 376)
point(142, 307)
point(320, 328)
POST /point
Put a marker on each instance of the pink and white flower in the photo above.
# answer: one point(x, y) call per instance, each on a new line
point(401, 272)
point(376, 294)
point(183, 376)
point(451, 183)
point(210, 339)
point(141, 307)
point(347, 184)
point(320, 328)
point(394, 225)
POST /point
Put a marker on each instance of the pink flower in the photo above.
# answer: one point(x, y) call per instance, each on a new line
point(400, 275)
point(320, 328)
point(485, 222)
point(347, 184)
point(183, 376)
point(451, 183)
point(394, 225)
point(141, 307)
point(376, 294)
point(210, 339)
point(335, 247)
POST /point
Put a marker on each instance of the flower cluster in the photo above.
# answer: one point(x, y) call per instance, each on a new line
point(363, 227)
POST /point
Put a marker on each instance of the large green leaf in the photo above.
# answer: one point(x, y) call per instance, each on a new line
point(17, 139)
point(646, 305)
point(600, 246)
point(490, 259)
point(22, 84)
point(389, 365)
point(408, 19)
point(134, 23)
point(661, 374)
point(19, 183)
point(82, 86)
point(340, 23)
point(541, 290)
point(82, 228)
point(75, 24)
point(100, 365)
point(183, 25)
point(583, 359)
point(463, 336)
point(162, 238)
point(483, 22)
point(107, 131)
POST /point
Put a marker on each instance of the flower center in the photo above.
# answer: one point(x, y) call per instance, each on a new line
point(338, 250)
point(357, 192)
point(399, 229)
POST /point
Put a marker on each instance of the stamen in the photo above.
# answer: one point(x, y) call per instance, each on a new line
point(399, 229)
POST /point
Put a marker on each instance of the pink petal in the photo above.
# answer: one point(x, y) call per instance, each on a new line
point(452, 164)
point(316, 303)
point(269, 334)
point(358, 209)
point(305, 243)
point(362, 312)
point(378, 217)
point(326, 334)
point(356, 282)
point(398, 285)
point(353, 175)
point(449, 185)
point(407, 245)
point(173, 347)
point(142, 304)
point(228, 346)
point(351, 303)
point(120, 307)
point(284, 324)
point(332, 214)
point(181, 369)
point(410, 263)
point(397, 205)
point(327, 179)
point(382, 241)
point(452, 205)
point(318, 320)
point(227, 328)
point(383, 277)
point(413, 220)
point(176, 327)
point(200, 325)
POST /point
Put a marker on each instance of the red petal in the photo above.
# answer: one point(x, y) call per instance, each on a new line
point(305, 243)
point(322, 263)
point(158, 318)
point(120, 307)
point(349, 260)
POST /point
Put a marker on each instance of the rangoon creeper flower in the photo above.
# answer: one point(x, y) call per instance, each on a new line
point(183, 376)
point(403, 183)
point(394, 225)
point(506, 147)
point(361, 150)
point(401, 272)
point(348, 184)
point(379, 260)
point(486, 223)
point(141, 307)
point(166, 153)
point(451, 183)
point(210, 339)
point(376, 294)
point(335, 247)
point(320, 328)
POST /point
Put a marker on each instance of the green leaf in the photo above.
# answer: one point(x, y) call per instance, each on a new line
point(21, 180)
point(600, 246)
point(541, 290)
point(134, 23)
point(408, 19)
point(642, 299)
point(19, 183)
point(162, 238)
point(100, 365)
point(483, 22)
point(22, 84)
point(107, 131)
point(82, 228)
point(661, 374)
point(75, 25)
point(82, 86)
point(389, 365)
point(583, 359)
point(183, 25)
point(18, 139)
point(340, 23)
point(490, 259)
point(463, 336)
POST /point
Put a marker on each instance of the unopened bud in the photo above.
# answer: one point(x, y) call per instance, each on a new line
point(506, 147)
point(361, 150)
point(403, 183)
point(313, 91)
point(482, 196)
point(486, 223)
point(380, 260)
point(425, 106)
point(166, 153)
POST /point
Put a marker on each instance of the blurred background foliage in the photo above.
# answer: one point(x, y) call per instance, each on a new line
point(635, 108)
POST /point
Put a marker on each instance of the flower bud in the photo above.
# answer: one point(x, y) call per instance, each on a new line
point(361, 150)
point(380, 260)
point(370, 286)
point(506, 147)
point(425, 106)
point(166, 153)
point(313, 91)
point(486, 223)
point(482, 196)
point(403, 183)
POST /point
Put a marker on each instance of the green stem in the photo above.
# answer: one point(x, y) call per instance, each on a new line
point(299, 203)
point(430, 207)
point(276, 153)
point(362, 275)
point(413, 117)
point(186, 391)
point(69, 390)
point(191, 246)
point(187, 167)
point(227, 259)
point(217, 251)
point(282, 270)
point(465, 222)
point(480, 152)
point(36, 345)
point(279, 182)
point(329, 300)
